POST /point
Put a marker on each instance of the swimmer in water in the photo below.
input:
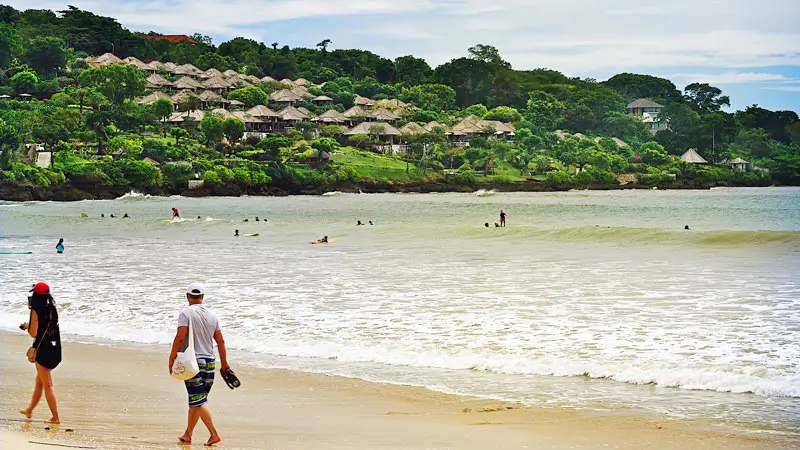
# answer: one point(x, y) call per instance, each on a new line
point(358, 224)
point(60, 246)
point(126, 216)
point(236, 233)
point(324, 240)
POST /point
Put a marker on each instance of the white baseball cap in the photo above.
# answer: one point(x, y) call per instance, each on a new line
point(195, 289)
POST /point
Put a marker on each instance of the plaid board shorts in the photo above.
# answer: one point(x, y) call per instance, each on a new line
point(199, 386)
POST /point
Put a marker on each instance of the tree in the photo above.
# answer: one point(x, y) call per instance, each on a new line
point(202, 38)
point(635, 86)
point(323, 46)
point(624, 126)
point(116, 82)
point(250, 96)
point(215, 60)
point(503, 114)
point(178, 133)
point(9, 142)
point(130, 148)
point(163, 108)
point(10, 45)
point(432, 97)
point(704, 98)
point(470, 78)
point(412, 71)
point(543, 112)
point(653, 153)
point(211, 127)
point(46, 55)
point(233, 129)
point(683, 125)
point(24, 82)
point(488, 54)
point(478, 110)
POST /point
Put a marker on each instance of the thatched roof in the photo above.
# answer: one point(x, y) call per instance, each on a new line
point(216, 82)
point(363, 101)
point(691, 156)
point(156, 81)
point(136, 62)
point(738, 161)
point(210, 96)
point(433, 124)
point(185, 82)
point(197, 115)
point(245, 117)
point(393, 103)
point(221, 113)
point(233, 102)
point(322, 98)
point(305, 111)
point(301, 82)
point(156, 65)
point(262, 111)
point(383, 114)
point(643, 103)
point(620, 142)
point(213, 72)
point(151, 161)
point(230, 73)
point(301, 91)
point(284, 96)
point(182, 96)
point(170, 66)
point(239, 81)
point(475, 125)
point(287, 82)
point(187, 69)
point(356, 111)
point(106, 58)
point(412, 128)
point(152, 97)
point(366, 127)
point(268, 79)
point(331, 116)
point(292, 113)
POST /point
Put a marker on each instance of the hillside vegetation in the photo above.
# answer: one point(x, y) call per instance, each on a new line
point(109, 124)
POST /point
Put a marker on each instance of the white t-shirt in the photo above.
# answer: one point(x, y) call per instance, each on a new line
point(204, 324)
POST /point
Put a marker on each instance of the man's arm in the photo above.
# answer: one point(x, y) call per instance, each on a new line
point(223, 352)
point(177, 343)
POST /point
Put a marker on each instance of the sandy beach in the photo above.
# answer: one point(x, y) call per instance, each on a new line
point(122, 398)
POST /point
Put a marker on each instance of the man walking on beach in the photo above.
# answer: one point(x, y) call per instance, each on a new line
point(503, 215)
point(205, 328)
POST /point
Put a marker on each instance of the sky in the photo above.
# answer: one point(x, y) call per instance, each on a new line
point(749, 49)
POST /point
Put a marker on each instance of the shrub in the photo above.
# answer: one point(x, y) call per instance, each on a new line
point(211, 176)
point(178, 172)
point(224, 173)
point(557, 177)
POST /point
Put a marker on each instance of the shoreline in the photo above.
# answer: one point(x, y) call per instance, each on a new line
point(70, 192)
point(116, 397)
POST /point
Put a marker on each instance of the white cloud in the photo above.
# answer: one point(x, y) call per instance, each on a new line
point(731, 77)
point(783, 88)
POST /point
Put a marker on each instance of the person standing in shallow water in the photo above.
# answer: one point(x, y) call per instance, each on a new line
point(42, 326)
point(503, 218)
point(205, 328)
point(60, 246)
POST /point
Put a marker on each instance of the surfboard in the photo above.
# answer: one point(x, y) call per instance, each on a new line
point(15, 253)
point(251, 234)
point(330, 241)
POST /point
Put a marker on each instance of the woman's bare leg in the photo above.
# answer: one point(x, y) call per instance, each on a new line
point(35, 398)
point(49, 392)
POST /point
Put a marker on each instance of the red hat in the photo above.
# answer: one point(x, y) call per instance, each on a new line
point(41, 288)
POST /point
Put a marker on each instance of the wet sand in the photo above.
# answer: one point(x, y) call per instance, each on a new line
point(111, 397)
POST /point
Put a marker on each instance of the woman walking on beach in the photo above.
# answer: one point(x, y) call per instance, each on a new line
point(45, 352)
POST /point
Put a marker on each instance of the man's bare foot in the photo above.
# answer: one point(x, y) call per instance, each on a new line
point(25, 413)
point(213, 440)
point(185, 440)
point(53, 420)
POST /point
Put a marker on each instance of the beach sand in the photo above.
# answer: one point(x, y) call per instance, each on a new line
point(111, 397)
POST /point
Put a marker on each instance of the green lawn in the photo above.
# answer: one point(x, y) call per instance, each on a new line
point(374, 165)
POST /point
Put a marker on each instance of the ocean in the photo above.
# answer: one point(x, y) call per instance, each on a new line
point(587, 299)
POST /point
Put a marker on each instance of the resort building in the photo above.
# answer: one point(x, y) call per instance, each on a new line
point(649, 111)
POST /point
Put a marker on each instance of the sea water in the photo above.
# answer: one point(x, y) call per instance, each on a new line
point(587, 299)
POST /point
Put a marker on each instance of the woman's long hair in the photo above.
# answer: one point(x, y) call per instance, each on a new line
point(50, 305)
